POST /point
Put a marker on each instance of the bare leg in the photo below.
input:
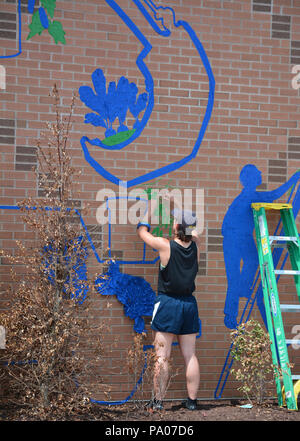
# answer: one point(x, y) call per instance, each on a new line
point(187, 345)
point(163, 345)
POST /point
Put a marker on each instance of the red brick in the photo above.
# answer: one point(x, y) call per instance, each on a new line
point(255, 113)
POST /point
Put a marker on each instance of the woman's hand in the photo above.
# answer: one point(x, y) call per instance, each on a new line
point(195, 235)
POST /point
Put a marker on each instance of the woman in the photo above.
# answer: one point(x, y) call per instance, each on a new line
point(175, 310)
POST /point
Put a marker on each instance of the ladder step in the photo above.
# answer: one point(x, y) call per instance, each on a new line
point(289, 272)
point(270, 206)
point(284, 238)
point(292, 341)
point(289, 308)
point(270, 292)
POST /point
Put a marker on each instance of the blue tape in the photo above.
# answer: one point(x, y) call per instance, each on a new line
point(43, 18)
point(149, 87)
point(15, 207)
point(258, 296)
point(127, 262)
point(30, 6)
point(19, 34)
point(145, 349)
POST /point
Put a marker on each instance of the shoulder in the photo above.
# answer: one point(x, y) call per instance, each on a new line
point(195, 244)
point(163, 242)
point(158, 243)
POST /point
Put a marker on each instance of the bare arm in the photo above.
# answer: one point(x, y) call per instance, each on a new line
point(270, 196)
point(158, 243)
point(197, 240)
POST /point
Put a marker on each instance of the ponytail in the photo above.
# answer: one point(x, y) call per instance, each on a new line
point(180, 234)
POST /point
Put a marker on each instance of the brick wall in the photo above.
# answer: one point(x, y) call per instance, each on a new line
point(251, 45)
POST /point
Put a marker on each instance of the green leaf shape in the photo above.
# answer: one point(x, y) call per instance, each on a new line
point(35, 26)
point(118, 137)
point(50, 6)
point(55, 29)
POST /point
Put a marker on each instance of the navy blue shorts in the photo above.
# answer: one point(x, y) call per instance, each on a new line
point(177, 315)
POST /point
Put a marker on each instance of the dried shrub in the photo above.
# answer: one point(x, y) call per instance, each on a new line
point(144, 364)
point(252, 355)
point(50, 327)
point(140, 364)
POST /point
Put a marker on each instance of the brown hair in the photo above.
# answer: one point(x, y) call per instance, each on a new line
point(180, 234)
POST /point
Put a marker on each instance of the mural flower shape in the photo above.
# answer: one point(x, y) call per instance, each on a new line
point(113, 103)
point(127, 137)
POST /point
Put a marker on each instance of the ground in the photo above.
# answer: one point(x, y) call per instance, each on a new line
point(221, 410)
point(206, 411)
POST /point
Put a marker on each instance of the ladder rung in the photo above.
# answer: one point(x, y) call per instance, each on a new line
point(270, 206)
point(289, 308)
point(284, 238)
point(289, 272)
point(267, 271)
point(292, 341)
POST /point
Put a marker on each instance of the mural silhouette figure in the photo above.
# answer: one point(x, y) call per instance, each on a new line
point(113, 102)
point(239, 248)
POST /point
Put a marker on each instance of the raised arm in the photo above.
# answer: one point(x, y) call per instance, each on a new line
point(270, 196)
point(143, 228)
point(196, 239)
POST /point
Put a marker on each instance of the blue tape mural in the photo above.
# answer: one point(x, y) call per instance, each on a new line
point(78, 269)
point(135, 293)
point(78, 259)
point(19, 36)
point(111, 105)
point(41, 20)
point(238, 243)
point(256, 293)
point(145, 349)
point(146, 99)
point(129, 262)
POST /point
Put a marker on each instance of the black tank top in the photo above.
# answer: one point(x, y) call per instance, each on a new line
point(178, 277)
